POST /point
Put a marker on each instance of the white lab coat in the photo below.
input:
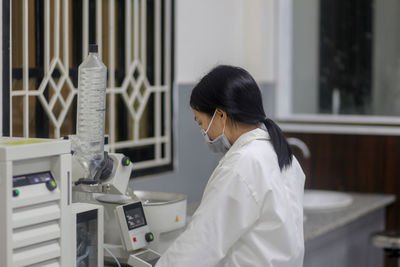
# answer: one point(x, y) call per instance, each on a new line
point(251, 213)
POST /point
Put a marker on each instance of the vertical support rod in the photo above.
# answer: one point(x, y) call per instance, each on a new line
point(65, 37)
point(99, 17)
point(111, 110)
point(167, 77)
point(85, 33)
point(143, 35)
point(25, 75)
point(56, 29)
point(136, 24)
point(157, 65)
point(46, 36)
point(56, 55)
point(128, 34)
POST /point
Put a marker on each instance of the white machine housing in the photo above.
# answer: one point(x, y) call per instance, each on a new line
point(91, 218)
point(164, 211)
point(133, 225)
point(136, 235)
point(35, 199)
point(116, 183)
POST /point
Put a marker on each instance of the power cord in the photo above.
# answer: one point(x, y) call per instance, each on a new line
point(112, 255)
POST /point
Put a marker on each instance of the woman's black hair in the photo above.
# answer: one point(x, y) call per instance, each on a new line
point(234, 90)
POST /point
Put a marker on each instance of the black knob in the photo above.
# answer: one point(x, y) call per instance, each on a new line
point(149, 237)
point(126, 161)
point(51, 185)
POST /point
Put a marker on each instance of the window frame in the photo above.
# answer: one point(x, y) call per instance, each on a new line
point(314, 123)
point(6, 78)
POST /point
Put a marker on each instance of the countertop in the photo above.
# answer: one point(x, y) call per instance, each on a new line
point(316, 224)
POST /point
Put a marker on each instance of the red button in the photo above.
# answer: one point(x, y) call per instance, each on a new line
point(134, 239)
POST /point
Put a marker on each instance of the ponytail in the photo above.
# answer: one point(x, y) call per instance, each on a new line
point(279, 143)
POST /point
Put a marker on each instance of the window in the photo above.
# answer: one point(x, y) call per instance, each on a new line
point(339, 61)
point(48, 39)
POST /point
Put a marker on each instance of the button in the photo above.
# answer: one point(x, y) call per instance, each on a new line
point(126, 161)
point(134, 239)
point(149, 237)
point(51, 185)
point(15, 192)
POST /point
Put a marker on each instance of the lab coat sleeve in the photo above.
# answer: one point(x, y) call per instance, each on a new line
point(227, 210)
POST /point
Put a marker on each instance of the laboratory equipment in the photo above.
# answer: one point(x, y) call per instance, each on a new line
point(134, 229)
point(89, 145)
point(35, 202)
point(115, 182)
point(127, 242)
point(164, 211)
point(136, 234)
point(87, 220)
point(102, 178)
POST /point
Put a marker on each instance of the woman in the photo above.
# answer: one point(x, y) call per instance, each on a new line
point(251, 212)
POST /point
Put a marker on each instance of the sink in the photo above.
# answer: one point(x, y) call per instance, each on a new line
point(323, 200)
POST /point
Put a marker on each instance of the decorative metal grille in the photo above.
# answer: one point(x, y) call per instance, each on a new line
point(135, 43)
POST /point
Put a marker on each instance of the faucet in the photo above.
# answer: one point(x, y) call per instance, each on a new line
point(299, 144)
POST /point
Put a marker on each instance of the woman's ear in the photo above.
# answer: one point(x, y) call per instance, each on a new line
point(220, 113)
point(223, 115)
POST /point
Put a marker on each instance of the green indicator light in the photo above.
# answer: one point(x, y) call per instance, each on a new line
point(15, 192)
point(128, 161)
point(53, 183)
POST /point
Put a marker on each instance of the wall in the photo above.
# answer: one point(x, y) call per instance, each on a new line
point(1, 68)
point(237, 32)
point(355, 163)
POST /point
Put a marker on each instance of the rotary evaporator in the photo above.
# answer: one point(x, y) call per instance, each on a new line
point(101, 178)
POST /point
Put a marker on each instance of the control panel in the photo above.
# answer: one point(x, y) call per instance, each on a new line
point(134, 229)
point(33, 179)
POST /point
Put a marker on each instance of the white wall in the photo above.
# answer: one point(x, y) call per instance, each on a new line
point(211, 32)
point(259, 39)
point(1, 69)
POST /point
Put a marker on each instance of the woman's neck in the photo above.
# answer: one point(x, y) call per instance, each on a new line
point(237, 130)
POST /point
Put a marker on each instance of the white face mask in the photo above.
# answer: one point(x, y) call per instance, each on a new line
point(219, 144)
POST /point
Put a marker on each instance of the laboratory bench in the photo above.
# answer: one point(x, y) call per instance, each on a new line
point(335, 238)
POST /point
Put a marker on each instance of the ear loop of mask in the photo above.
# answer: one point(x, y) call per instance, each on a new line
point(209, 125)
point(221, 143)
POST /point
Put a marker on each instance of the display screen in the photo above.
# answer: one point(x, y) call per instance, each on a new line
point(134, 215)
point(32, 178)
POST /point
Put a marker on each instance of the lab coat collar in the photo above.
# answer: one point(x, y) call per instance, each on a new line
point(256, 134)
